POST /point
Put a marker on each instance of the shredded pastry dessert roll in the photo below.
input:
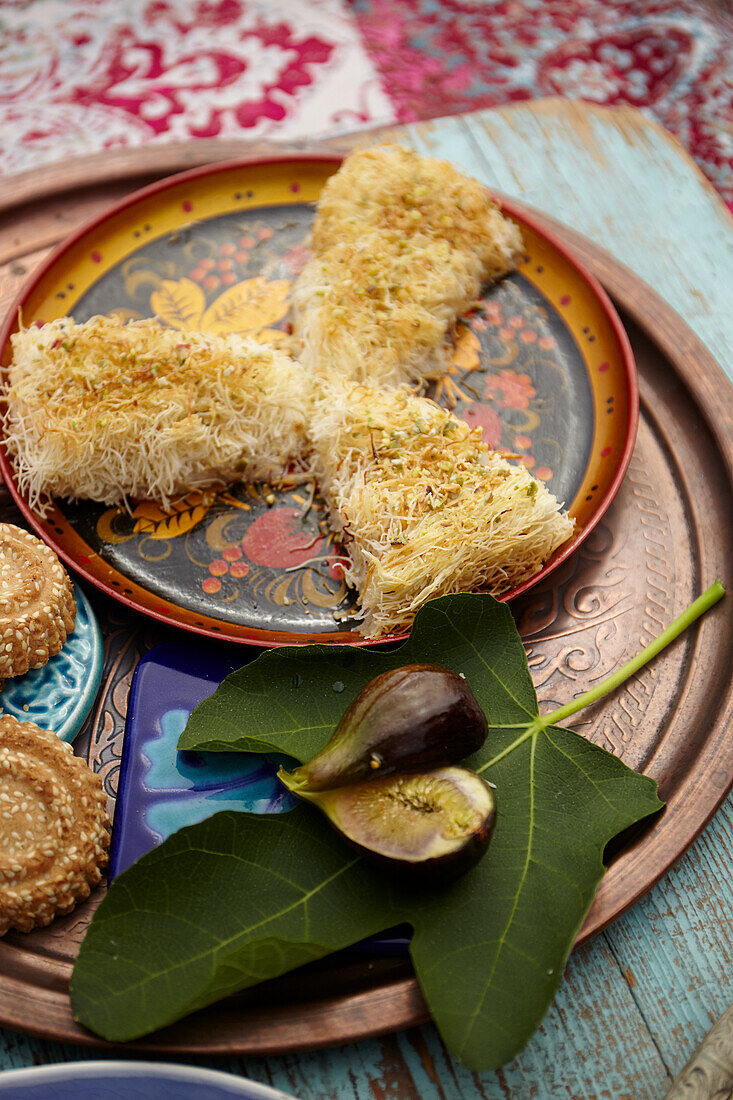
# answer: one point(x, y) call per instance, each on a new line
point(422, 506)
point(401, 248)
point(37, 606)
point(392, 189)
point(380, 313)
point(54, 826)
point(106, 410)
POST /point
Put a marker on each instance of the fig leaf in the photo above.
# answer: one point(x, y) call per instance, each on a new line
point(241, 898)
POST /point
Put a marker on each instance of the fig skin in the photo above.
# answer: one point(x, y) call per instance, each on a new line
point(425, 828)
point(409, 719)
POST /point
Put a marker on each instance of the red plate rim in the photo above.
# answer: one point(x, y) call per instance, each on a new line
point(515, 210)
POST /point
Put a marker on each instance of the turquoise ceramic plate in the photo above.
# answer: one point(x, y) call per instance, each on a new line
point(60, 695)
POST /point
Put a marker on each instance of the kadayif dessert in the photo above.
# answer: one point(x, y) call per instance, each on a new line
point(401, 247)
point(106, 410)
point(423, 507)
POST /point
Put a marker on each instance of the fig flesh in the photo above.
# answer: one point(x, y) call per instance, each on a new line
point(412, 718)
point(428, 827)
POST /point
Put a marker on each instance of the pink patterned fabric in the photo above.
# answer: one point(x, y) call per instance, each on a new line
point(672, 58)
point(77, 76)
point(81, 75)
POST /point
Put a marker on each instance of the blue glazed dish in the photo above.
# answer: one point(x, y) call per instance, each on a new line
point(60, 695)
point(129, 1081)
point(161, 790)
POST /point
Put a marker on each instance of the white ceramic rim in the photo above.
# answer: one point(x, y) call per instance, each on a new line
point(173, 1072)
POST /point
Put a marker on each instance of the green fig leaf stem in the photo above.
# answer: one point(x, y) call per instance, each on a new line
point(702, 604)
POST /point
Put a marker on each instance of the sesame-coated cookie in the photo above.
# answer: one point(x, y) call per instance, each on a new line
point(37, 608)
point(54, 826)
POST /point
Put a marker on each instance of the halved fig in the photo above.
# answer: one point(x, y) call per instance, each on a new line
point(412, 718)
point(430, 826)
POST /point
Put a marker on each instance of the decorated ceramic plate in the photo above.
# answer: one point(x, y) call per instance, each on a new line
point(60, 695)
point(95, 1080)
point(541, 364)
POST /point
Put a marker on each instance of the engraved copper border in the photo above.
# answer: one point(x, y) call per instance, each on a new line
point(689, 401)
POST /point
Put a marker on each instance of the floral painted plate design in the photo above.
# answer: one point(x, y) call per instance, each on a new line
point(541, 364)
point(60, 695)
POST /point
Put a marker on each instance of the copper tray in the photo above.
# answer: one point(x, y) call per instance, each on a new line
point(665, 538)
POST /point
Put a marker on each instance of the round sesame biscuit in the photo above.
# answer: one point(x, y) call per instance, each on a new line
point(37, 608)
point(54, 826)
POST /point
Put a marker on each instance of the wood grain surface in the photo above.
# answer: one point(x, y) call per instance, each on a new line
point(637, 1000)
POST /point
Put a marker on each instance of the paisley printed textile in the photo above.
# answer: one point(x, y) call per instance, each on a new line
point(85, 75)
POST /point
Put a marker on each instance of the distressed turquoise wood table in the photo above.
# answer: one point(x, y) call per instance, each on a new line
point(637, 1000)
